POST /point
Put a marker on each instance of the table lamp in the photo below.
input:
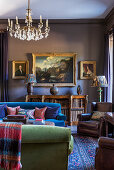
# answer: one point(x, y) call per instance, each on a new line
point(99, 81)
point(29, 80)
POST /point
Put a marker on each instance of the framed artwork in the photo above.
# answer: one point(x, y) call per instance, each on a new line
point(87, 69)
point(20, 69)
point(55, 68)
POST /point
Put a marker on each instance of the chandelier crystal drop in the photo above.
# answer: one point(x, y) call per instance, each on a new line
point(28, 32)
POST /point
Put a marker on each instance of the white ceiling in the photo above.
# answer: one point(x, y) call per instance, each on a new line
point(56, 9)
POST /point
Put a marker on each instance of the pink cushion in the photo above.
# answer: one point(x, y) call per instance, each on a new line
point(39, 113)
point(12, 110)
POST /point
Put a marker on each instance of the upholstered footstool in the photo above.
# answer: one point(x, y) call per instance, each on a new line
point(57, 122)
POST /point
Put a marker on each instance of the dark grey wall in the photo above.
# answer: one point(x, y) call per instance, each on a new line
point(87, 40)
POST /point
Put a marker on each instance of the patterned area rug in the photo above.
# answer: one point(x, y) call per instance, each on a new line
point(83, 155)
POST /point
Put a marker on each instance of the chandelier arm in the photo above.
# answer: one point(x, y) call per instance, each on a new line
point(28, 32)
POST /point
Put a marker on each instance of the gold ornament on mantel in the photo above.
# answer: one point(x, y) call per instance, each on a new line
point(28, 32)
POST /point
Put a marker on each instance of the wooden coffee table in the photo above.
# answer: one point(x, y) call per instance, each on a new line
point(109, 118)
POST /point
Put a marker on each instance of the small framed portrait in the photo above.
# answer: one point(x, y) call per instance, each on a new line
point(20, 69)
point(87, 69)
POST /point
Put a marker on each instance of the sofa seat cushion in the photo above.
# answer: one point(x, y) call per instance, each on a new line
point(89, 124)
point(57, 122)
point(1, 120)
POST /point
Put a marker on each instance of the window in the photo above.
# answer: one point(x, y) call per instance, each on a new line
point(111, 68)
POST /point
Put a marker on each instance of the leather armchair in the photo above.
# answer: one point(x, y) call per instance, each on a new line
point(104, 158)
point(86, 126)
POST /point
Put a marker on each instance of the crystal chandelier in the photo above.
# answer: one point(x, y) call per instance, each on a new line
point(28, 32)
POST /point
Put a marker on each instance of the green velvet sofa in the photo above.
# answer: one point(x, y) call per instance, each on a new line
point(45, 147)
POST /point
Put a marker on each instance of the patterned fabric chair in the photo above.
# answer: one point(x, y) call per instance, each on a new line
point(87, 126)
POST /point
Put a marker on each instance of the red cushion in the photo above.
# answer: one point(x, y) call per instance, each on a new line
point(39, 113)
point(12, 110)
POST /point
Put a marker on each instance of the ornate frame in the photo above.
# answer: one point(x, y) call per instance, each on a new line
point(14, 69)
point(64, 56)
point(91, 69)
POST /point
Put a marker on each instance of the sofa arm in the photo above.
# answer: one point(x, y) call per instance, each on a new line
point(45, 134)
point(61, 116)
point(71, 145)
point(84, 116)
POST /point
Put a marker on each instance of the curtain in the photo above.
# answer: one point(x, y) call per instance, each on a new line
point(109, 70)
point(4, 66)
point(107, 67)
point(113, 72)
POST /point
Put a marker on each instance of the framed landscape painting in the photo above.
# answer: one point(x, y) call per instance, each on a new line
point(20, 69)
point(87, 69)
point(55, 68)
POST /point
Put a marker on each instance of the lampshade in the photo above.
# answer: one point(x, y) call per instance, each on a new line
point(30, 78)
point(102, 82)
point(99, 81)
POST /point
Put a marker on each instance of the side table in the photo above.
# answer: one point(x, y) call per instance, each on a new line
point(109, 118)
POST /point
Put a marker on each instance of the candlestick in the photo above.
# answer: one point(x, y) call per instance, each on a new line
point(16, 20)
point(11, 24)
point(46, 22)
point(8, 22)
point(40, 19)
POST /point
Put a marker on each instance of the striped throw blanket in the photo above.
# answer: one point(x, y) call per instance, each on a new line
point(10, 145)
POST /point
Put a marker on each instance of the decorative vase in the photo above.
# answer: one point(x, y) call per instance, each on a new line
point(79, 90)
point(54, 90)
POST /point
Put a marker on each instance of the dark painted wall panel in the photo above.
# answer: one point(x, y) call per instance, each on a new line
point(87, 40)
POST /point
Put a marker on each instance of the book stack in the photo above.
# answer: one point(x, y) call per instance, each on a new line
point(39, 122)
point(15, 118)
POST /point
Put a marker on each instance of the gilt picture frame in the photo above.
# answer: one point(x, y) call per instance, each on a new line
point(20, 69)
point(87, 69)
point(54, 68)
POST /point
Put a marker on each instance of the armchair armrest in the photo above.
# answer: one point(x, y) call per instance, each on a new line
point(106, 142)
point(61, 116)
point(104, 154)
point(84, 116)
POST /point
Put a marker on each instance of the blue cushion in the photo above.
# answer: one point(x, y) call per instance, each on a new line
point(51, 112)
point(57, 122)
point(2, 110)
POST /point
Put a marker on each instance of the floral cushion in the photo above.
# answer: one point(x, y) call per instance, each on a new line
point(22, 112)
point(39, 113)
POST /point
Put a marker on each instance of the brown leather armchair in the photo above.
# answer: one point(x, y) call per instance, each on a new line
point(86, 126)
point(104, 158)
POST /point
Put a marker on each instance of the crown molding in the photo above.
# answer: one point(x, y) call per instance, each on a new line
point(59, 21)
